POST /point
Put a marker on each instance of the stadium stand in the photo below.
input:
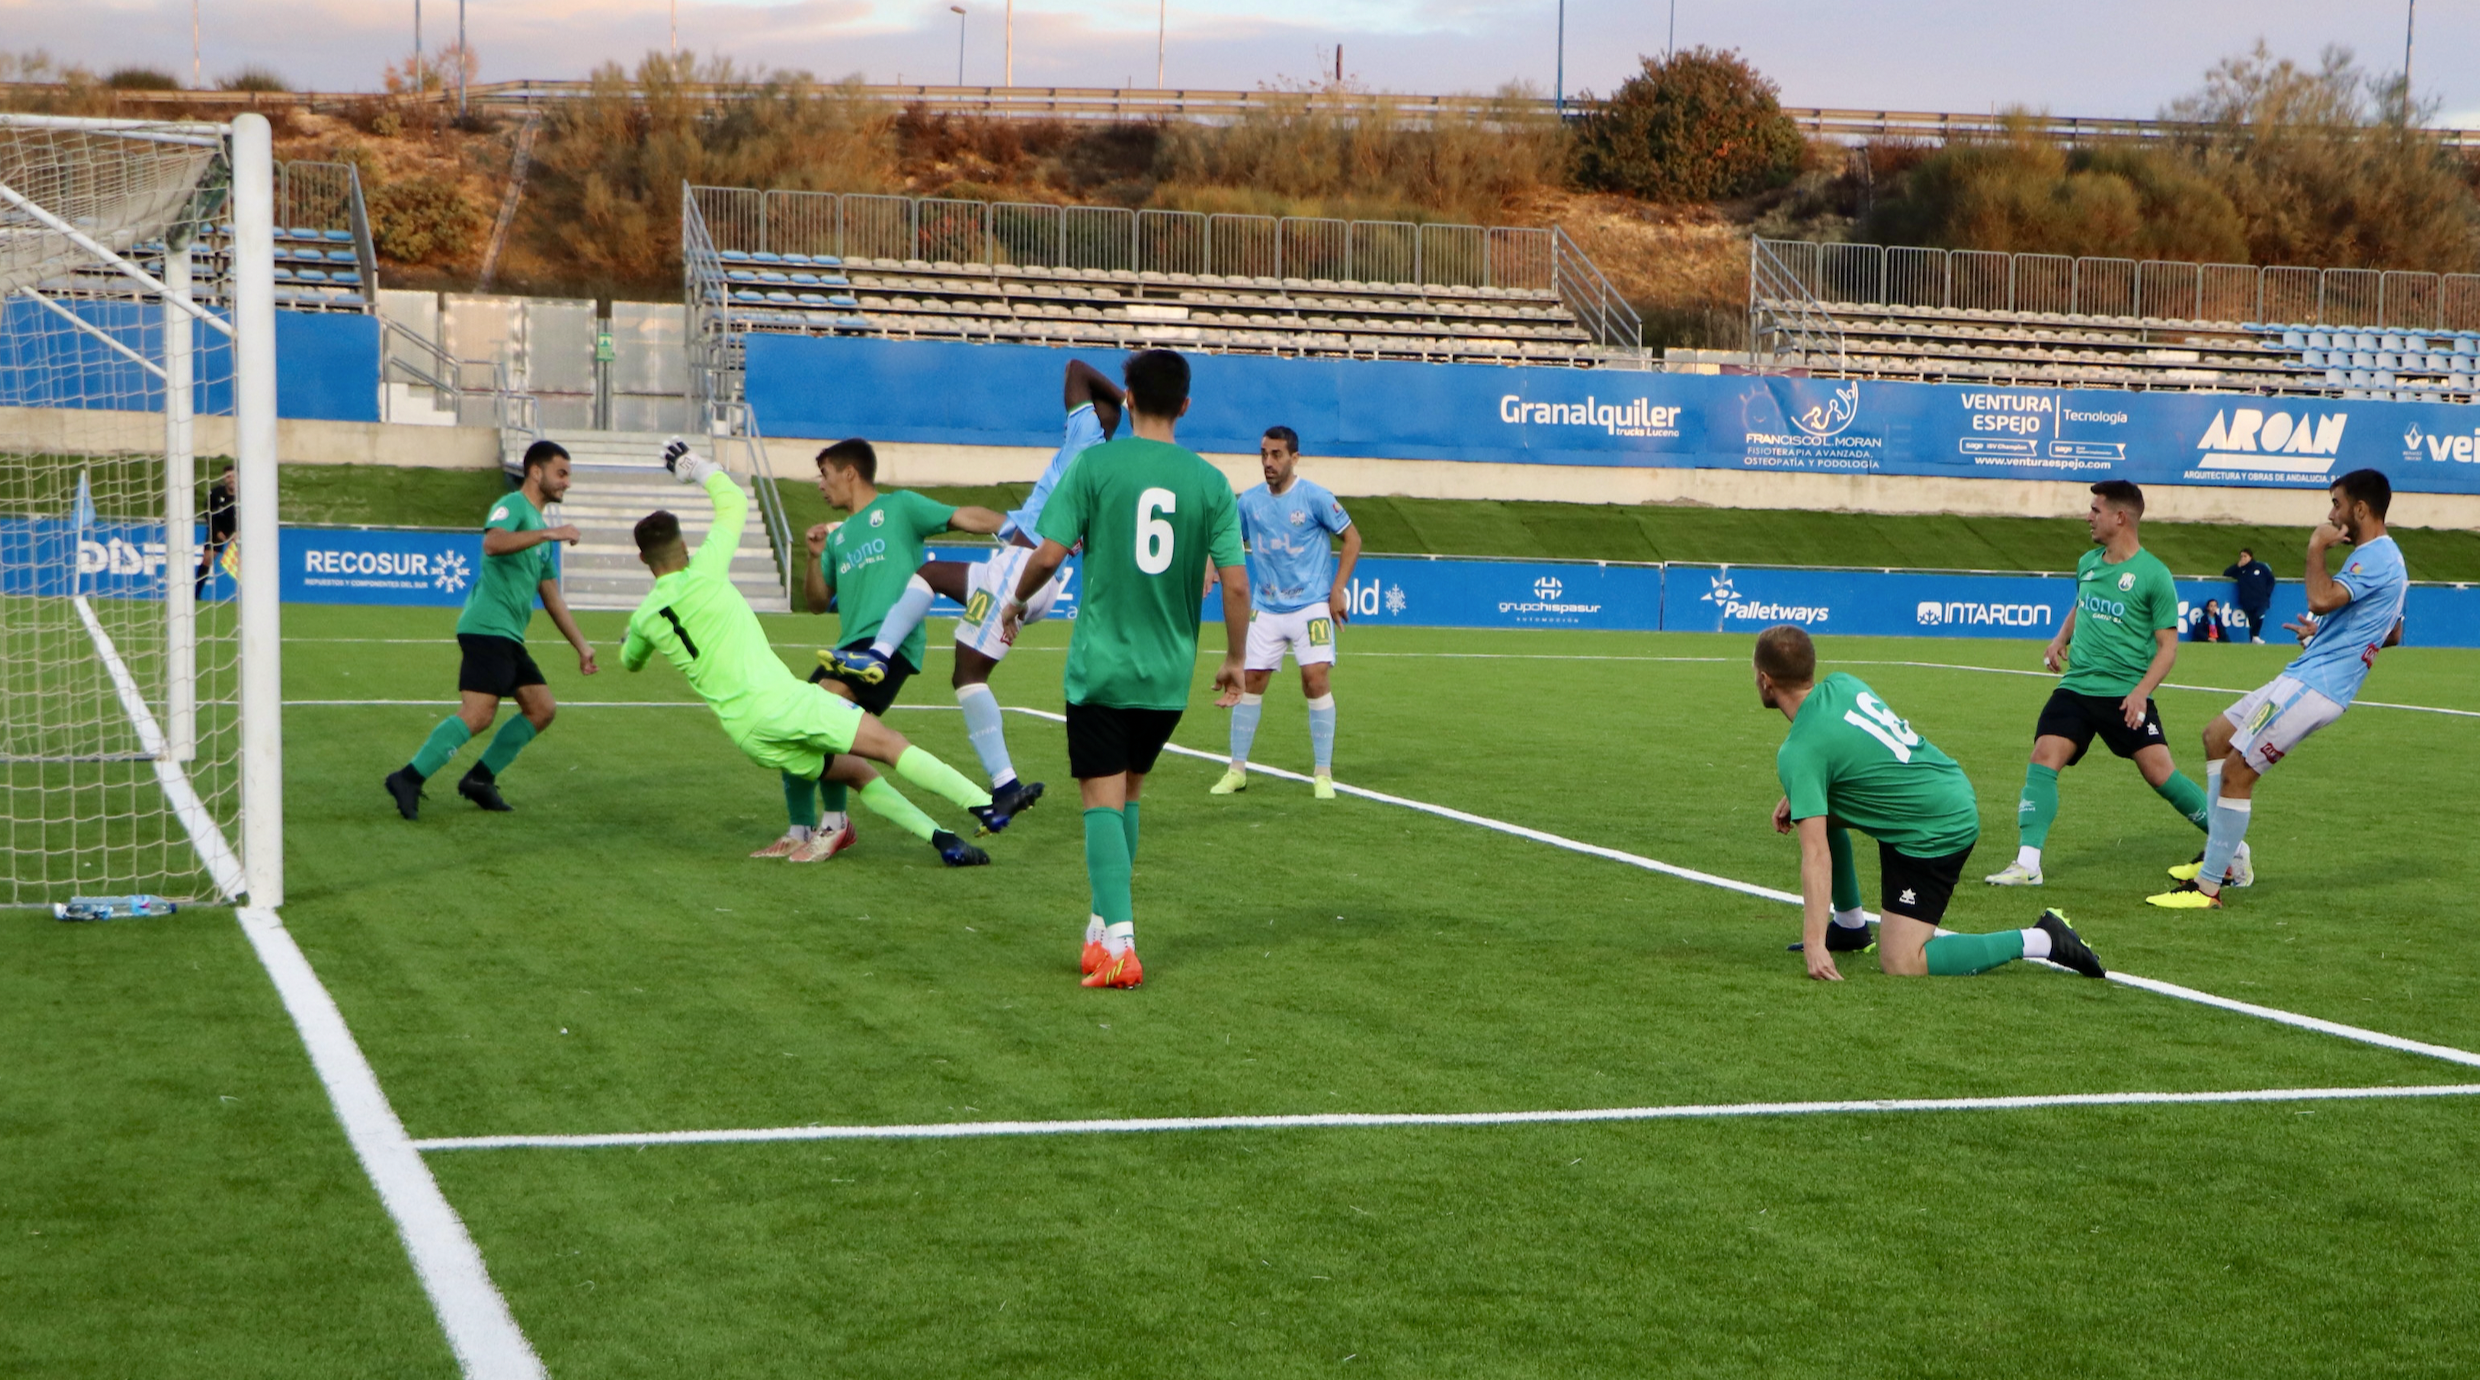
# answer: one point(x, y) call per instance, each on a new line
point(324, 259)
point(821, 263)
point(2043, 320)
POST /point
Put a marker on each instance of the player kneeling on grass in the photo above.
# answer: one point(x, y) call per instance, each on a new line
point(2352, 616)
point(1151, 516)
point(1850, 763)
point(702, 625)
point(1299, 594)
point(520, 560)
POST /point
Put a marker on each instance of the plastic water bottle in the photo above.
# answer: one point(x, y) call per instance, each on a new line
point(112, 907)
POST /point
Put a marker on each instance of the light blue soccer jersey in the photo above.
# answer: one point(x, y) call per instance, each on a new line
point(2337, 661)
point(1084, 429)
point(1290, 564)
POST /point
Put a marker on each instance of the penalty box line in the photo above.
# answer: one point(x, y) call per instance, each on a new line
point(2154, 985)
point(974, 1130)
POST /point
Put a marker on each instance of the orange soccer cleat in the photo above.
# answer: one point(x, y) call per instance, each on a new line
point(1117, 970)
point(1095, 956)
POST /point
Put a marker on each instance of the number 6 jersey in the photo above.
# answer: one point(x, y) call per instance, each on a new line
point(1152, 516)
point(1850, 757)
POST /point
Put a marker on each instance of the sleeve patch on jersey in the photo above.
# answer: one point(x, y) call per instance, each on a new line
point(500, 513)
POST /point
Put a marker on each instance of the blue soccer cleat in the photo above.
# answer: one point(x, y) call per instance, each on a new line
point(854, 664)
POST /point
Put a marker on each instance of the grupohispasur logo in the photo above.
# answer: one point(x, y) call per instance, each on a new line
point(1965, 613)
point(452, 574)
point(1632, 417)
point(2273, 440)
point(1832, 417)
point(1728, 599)
point(1548, 592)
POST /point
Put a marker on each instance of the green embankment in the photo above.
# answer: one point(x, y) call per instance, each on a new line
point(1585, 531)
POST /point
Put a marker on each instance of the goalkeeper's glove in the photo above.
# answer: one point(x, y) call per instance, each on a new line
point(685, 466)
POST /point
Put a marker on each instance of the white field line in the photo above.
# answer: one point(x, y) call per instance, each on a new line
point(213, 851)
point(2166, 685)
point(480, 1330)
point(970, 1130)
point(2167, 989)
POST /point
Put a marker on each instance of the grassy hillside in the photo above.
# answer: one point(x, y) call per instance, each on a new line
point(1576, 531)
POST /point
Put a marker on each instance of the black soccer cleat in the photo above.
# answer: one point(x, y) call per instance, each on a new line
point(2067, 949)
point(1015, 797)
point(405, 788)
point(1842, 939)
point(955, 852)
point(482, 788)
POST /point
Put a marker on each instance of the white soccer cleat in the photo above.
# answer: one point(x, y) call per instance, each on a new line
point(2014, 874)
point(780, 848)
point(2242, 869)
point(824, 844)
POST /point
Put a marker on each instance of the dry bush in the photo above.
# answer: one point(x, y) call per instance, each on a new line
point(1292, 158)
point(609, 167)
point(2022, 192)
point(424, 219)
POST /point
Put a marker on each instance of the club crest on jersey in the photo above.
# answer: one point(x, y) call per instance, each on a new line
point(2127, 581)
point(878, 517)
point(1298, 517)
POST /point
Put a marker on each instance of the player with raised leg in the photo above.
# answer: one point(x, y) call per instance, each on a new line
point(520, 561)
point(862, 568)
point(2351, 617)
point(1299, 594)
point(1850, 763)
point(2117, 646)
point(982, 587)
point(1151, 517)
point(703, 626)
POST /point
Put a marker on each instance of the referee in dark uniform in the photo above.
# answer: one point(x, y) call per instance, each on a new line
point(222, 517)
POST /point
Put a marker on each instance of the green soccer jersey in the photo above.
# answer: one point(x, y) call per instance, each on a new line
point(1848, 756)
point(1152, 516)
point(702, 625)
point(870, 558)
point(2118, 608)
point(501, 603)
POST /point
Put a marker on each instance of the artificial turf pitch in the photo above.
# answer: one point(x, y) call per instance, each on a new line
point(178, 1196)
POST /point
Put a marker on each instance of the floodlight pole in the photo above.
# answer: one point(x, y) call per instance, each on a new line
point(675, 28)
point(460, 59)
point(2411, 12)
point(1670, 44)
point(1008, 71)
point(959, 13)
point(1162, 25)
point(194, 78)
point(1558, 87)
point(417, 47)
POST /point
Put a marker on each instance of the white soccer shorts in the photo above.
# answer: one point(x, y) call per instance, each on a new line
point(2275, 718)
point(1308, 634)
point(987, 592)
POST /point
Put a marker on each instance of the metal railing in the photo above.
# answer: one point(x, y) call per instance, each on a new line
point(1785, 318)
point(1794, 276)
point(328, 196)
point(456, 381)
point(734, 431)
point(1132, 104)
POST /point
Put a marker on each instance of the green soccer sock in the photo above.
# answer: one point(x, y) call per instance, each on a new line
point(1846, 876)
point(1128, 815)
point(440, 746)
point(2039, 807)
point(1107, 865)
point(507, 743)
point(801, 800)
point(889, 804)
point(1961, 955)
point(931, 774)
point(834, 797)
point(2187, 798)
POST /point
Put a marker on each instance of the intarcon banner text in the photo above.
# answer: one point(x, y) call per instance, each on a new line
point(943, 392)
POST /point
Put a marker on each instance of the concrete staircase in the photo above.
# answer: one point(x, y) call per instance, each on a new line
point(617, 477)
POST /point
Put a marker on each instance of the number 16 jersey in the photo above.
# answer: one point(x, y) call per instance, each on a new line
point(1850, 757)
point(1152, 516)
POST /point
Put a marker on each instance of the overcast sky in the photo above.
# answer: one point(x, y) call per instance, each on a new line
point(2085, 57)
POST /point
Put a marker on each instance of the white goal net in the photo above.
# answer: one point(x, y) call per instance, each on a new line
point(124, 345)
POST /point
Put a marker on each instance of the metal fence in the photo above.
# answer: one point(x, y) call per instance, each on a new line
point(1783, 272)
point(934, 229)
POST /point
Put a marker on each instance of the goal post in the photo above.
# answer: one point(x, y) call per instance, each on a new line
point(140, 699)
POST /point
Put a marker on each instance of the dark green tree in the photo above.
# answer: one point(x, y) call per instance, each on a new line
point(1703, 126)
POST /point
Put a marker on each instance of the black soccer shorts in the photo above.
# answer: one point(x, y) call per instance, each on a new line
point(2077, 718)
point(1105, 740)
point(1917, 887)
point(495, 665)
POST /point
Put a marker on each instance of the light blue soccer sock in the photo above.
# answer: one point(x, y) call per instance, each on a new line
point(2221, 843)
point(507, 743)
point(903, 616)
point(984, 727)
point(440, 746)
point(1244, 727)
point(1322, 732)
point(2212, 791)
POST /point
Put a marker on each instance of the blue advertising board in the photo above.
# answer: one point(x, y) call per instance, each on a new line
point(327, 363)
point(958, 394)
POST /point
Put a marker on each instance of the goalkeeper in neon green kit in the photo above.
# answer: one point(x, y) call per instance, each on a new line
point(702, 625)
